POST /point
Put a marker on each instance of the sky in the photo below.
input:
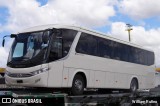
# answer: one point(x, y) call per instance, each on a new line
point(106, 16)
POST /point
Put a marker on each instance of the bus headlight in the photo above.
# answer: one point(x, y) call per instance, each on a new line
point(7, 73)
point(39, 71)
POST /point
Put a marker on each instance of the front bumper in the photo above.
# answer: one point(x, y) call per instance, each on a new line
point(39, 80)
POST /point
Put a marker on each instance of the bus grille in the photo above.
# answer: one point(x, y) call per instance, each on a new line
point(22, 75)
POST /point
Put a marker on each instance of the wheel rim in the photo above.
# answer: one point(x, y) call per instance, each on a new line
point(78, 85)
point(133, 87)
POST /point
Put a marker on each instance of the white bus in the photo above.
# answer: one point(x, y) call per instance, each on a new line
point(61, 56)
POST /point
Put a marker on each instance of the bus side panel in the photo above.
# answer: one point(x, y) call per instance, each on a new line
point(99, 79)
point(91, 79)
point(99, 71)
point(121, 80)
point(65, 77)
point(109, 80)
point(150, 77)
point(55, 74)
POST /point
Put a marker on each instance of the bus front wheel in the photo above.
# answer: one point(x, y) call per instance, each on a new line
point(78, 85)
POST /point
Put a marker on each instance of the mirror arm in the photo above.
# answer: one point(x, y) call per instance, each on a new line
point(11, 36)
point(3, 42)
point(6, 36)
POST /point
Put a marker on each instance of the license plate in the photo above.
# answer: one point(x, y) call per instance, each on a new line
point(19, 81)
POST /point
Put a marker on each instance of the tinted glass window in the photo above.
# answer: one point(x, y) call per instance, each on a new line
point(131, 54)
point(141, 59)
point(56, 49)
point(117, 51)
point(68, 37)
point(150, 58)
point(145, 53)
point(106, 48)
point(87, 44)
point(124, 52)
point(61, 44)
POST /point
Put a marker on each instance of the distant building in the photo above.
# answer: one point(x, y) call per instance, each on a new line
point(158, 69)
point(2, 71)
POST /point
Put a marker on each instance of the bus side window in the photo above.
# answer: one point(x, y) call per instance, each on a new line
point(92, 45)
point(150, 58)
point(82, 46)
point(87, 44)
point(68, 37)
point(104, 48)
point(116, 49)
point(56, 49)
point(124, 52)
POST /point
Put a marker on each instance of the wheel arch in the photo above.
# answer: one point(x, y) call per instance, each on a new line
point(136, 79)
point(81, 72)
point(84, 77)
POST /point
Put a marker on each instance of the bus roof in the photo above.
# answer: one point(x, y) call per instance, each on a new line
point(81, 29)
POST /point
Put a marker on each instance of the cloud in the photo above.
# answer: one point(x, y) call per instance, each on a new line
point(3, 57)
point(4, 51)
point(90, 13)
point(26, 13)
point(140, 9)
point(139, 35)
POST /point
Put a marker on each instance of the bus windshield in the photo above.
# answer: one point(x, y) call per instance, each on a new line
point(28, 49)
point(35, 48)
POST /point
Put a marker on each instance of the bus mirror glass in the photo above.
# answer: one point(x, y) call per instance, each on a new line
point(3, 42)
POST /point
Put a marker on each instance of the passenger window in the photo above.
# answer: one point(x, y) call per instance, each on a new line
point(131, 54)
point(82, 45)
point(87, 44)
point(68, 37)
point(141, 57)
point(117, 49)
point(61, 44)
point(56, 49)
point(145, 57)
point(105, 48)
point(124, 52)
point(150, 58)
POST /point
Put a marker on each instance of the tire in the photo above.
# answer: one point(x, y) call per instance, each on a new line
point(78, 85)
point(133, 86)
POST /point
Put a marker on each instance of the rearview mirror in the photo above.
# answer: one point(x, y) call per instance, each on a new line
point(3, 42)
point(11, 36)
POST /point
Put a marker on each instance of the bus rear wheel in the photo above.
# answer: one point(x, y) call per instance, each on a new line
point(133, 86)
point(78, 85)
